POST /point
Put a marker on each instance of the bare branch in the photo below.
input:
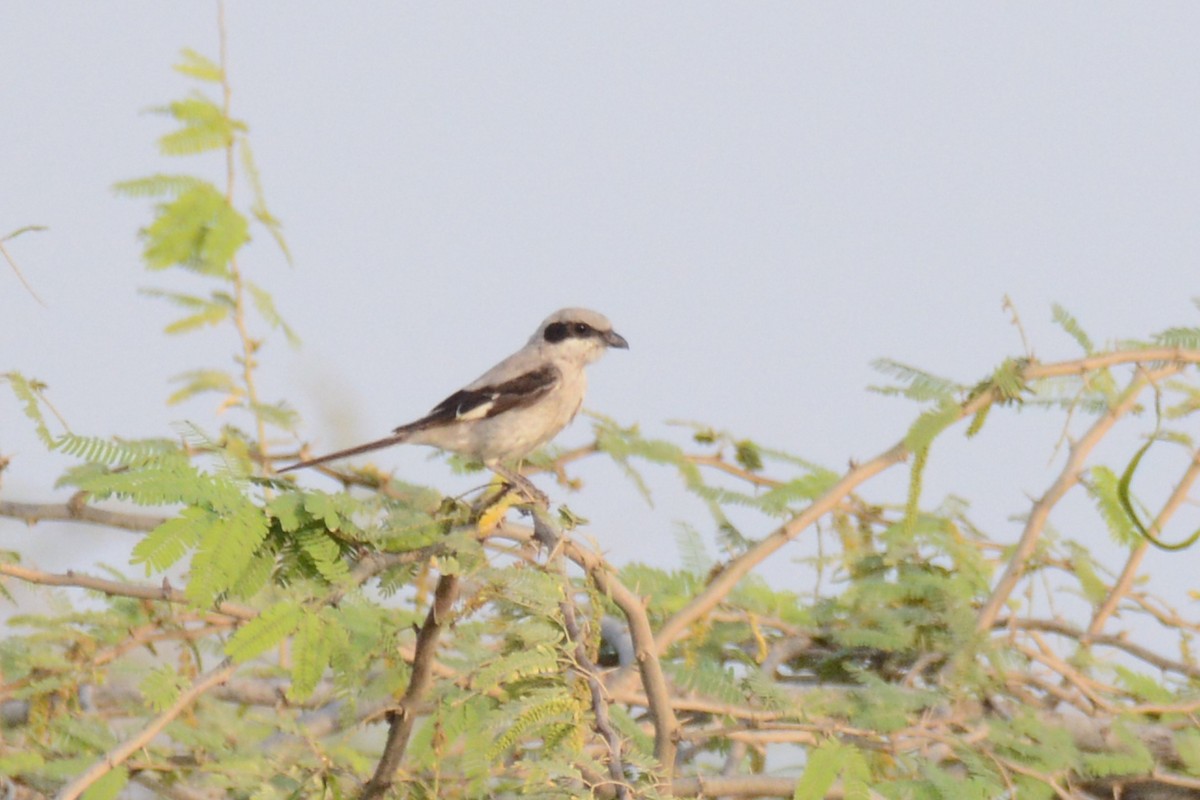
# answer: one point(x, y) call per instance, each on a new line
point(118, 589)
point(33, 513)
point(401, 719)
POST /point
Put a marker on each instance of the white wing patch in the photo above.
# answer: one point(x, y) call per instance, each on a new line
point(480, 411)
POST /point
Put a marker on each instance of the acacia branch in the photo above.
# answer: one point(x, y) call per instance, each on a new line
point(33, 513)
point(117, 756)
point(140, 591)
point(402, 718)
point(666, 726)
point(1066, 480)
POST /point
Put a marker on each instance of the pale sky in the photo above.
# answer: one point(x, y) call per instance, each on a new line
point(763, 198)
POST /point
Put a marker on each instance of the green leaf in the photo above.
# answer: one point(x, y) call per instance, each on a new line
point(1186, 338)
point(1103, 489)
point(205, 127)
point(1187, 744)
point(198, 230)
point(158, 185)
point(1084, 570)
point(1069, 324)
point(749, 456)
point(932, 422)
point(692, 550)
point(204, 312)
point(266, 307)
point(27, 394)
point(311, 650)
point(199, 67)
point(1144, 687)
point(919, 385)
point(170, 541)
point(161, 687)
point(528, 715)
point(259, 208)
point(1132, 759)
point(824, 764)
point(226, 552)
point(324, 554)
point(109, 785)
point(265, 631)
point(198, 381)
point(516, 666)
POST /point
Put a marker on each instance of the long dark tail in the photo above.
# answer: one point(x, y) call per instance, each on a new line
point(396, 438)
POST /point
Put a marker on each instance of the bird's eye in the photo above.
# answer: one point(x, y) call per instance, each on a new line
point(581, 329)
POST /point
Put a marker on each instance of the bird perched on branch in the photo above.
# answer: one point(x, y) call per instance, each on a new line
point(516, 406)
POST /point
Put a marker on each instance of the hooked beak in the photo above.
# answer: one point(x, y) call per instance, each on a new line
point(614, 339)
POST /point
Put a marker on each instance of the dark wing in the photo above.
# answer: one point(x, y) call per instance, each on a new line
point(488, 401)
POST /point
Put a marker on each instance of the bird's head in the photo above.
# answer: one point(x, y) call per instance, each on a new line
point(578, 335)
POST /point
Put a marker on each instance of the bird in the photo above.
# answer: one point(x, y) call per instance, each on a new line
point(516, 406)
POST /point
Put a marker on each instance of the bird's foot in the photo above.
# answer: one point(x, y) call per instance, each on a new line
point(520, 483)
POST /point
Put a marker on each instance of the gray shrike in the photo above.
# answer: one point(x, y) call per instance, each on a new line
point(516, 406)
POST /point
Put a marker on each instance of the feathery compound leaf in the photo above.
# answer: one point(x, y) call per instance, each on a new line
point(692, 551)
point(198, 381)
point(516, 666)
point(749, 455)
point(1009, 380)
point(531, 713)
point(311, 650)
point(161, 687)
point(225, 552)
point(112, 452)
point(199, 67)
point(109, 785)
point(1187, 338)
point(1069, 324)
point(919, 385)
point(264, 631)
point(1134, 759)
point(824, 764)
point(1103, 489)
point(205, 127)
point(26, 392)
point(807, 487)
point(259, 207)
point(167, 481)
point(266, 307)
point(324, 554)
point(932, 422)
point(209, 314)
point(1144, 687)
point(528, 588)
point(168, 543)
point(159, 185)
point(198, 230)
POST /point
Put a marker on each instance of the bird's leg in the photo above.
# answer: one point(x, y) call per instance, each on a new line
point(521, 483)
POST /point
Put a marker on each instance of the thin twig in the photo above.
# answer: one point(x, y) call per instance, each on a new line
point(12, 262)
